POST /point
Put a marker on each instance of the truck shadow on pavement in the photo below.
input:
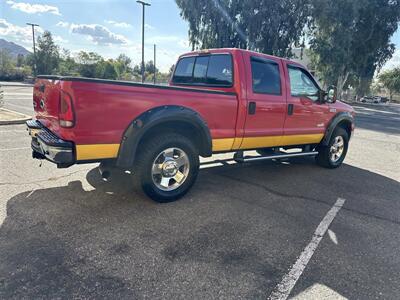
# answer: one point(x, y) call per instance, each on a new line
point(235, 234)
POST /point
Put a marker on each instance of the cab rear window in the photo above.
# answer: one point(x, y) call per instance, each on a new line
point(207, 70)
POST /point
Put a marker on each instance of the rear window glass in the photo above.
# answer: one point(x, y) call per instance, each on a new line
point(220, 70)
point(200, 68)
point(184, 70)
point(212, 70)
point(266, 77)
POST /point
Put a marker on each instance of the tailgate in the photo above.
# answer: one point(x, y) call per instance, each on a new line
point(46, 99)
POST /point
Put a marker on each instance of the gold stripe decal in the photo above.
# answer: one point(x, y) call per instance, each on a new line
point(222, 144)
point(266, 141)
point(302, 139)
point(280, 140)
point(104, 151)
point(96, 151)
point(260, 142)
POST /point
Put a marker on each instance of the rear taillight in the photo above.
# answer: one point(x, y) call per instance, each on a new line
point(66, 110)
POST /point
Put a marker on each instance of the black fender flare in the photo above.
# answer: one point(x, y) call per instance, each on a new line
point(336, 120)
point(154, 117)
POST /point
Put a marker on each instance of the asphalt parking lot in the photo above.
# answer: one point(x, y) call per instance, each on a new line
point(246, 231)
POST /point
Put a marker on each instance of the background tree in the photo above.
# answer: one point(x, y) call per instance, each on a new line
point(377, 87)
point(6, 64)
point(53, 61)
point(20, 60)
point(377, 22)
point(391, 81)
point(9, 69)
point(268, 26)
point(137, 69)
point(149, 67)
point(89, 64)
point(47, 54)
point(67, 66)
point(331, 40)
point(123, 64)
point(350, 40)
point(109, 70)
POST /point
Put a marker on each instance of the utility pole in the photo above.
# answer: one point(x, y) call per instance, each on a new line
point(144, 4)
point(154, 77)
point(34, 48)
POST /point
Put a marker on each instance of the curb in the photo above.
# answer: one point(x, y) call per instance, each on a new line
point(21, 120)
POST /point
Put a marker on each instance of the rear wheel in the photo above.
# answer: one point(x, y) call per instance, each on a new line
point(166, 167)
point(332, 155)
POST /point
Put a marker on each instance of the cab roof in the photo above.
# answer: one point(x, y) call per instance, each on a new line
point(237, 50)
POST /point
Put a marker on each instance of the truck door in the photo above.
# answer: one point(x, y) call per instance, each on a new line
point(266, 102)
point(306, 117)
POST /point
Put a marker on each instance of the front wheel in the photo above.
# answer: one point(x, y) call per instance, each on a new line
point(166, 167)
point(332, 155)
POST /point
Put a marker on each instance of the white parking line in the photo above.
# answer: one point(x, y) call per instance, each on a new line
point(283, 289)
point(19, 106)
point(12, 149)
point(17, 94)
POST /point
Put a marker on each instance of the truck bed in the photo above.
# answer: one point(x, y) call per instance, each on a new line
point(105, 108)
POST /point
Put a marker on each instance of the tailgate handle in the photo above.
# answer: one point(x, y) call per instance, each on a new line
point(252, 108)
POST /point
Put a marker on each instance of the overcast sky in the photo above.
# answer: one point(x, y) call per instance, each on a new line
point(108, 27)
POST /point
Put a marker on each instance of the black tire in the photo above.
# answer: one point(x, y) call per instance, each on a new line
point(324, 157)
point(149, 151)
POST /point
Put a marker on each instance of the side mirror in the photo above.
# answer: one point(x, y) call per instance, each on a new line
point(321, 96)
point(331, 94)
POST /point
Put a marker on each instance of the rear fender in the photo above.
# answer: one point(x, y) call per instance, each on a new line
point(148, 120)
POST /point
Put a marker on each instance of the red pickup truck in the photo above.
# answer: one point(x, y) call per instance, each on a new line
point(220, 100)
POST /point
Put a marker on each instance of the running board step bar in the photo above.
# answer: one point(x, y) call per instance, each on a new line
point(275, 156)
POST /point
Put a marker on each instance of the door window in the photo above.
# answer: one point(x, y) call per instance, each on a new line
point(266, 76)
point(302, 84)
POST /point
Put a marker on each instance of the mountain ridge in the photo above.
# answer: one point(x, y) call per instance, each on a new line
point(13, 48)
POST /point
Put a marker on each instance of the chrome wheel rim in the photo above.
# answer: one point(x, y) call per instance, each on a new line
point(337, 149)
point(170, 169)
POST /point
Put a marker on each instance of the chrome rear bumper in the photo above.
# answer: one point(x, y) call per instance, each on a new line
point(46, 145)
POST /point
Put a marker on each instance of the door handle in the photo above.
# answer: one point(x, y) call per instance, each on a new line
point(290, 109)
point(252, 108)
